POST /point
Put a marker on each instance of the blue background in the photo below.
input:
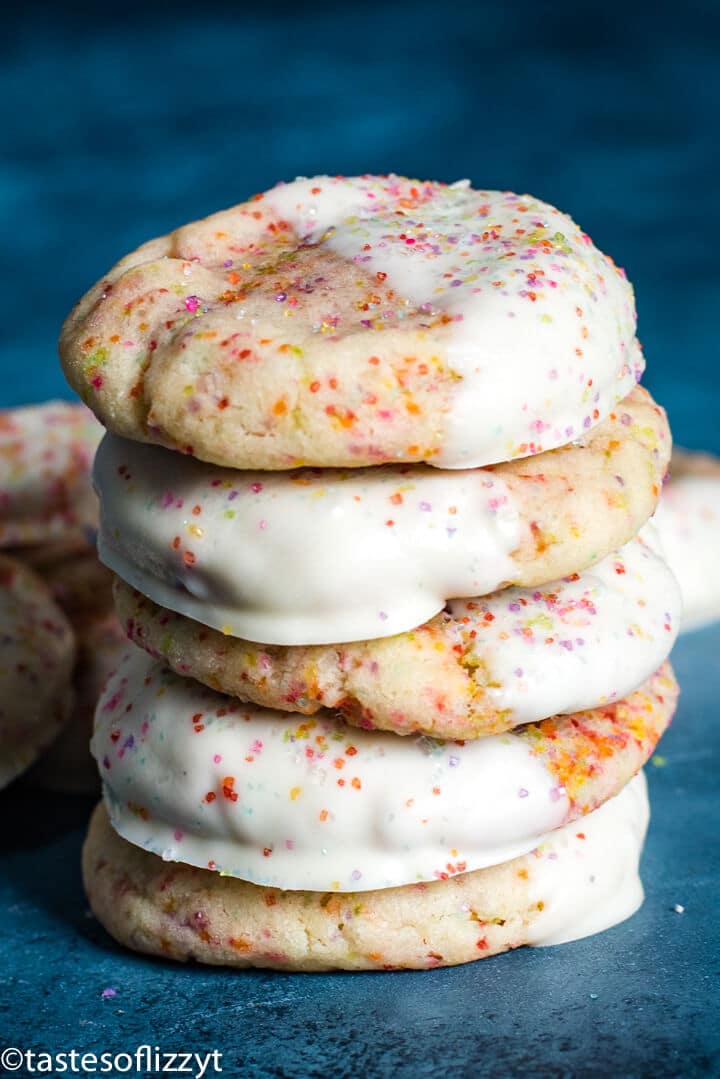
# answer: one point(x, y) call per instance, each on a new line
point(119, 124)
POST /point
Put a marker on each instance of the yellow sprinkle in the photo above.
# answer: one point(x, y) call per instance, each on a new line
point(658, 761)
point(227, 630)
point(295, 793)
point(195, 530)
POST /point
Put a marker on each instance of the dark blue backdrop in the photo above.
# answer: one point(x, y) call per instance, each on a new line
point(124, 123)
point(120, 123)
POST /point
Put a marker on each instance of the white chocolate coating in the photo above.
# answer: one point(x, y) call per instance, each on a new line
point(586, 640)
point(688, 521)
point(588, 879)
point(541, 323)
point(308, 803)
point(310, 557)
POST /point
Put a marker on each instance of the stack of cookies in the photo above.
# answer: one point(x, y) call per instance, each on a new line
point(375, 492)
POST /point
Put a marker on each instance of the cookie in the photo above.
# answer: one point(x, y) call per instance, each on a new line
point(578, 880)
point(82, 588)
point(688, 521)
point(67, 765)
point(480, 667)
point(326, 556)
point(46, 454)
point(37, 653)
point(347, 322)
point(309, 803)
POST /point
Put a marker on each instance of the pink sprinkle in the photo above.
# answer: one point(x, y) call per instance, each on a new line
point(256, 488)
point(192, 303)
point(178, 836)
point(217, 758)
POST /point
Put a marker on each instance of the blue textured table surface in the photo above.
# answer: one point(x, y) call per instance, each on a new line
point(118, 126)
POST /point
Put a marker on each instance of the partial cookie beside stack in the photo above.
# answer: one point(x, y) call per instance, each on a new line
point(375, 489)
point(59, 630)
point(688, 522)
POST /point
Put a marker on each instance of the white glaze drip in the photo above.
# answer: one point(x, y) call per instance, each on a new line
point(309, 557)
point(541, 323)
point(303, 803)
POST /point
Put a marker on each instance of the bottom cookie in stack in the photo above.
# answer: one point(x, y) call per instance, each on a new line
point(246, 837)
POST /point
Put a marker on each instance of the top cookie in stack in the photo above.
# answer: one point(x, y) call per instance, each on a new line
point(390, 395)
point(348, 322)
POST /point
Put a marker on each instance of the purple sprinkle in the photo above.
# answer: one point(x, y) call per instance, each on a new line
point(356, 874)
point(453, 762)
point(109, 992)
point(383, 615)
point(426, 507)
point(519, 672)
point(280, 297)
point(232, 496)
point(227, 262)
point(514, 606)
point(556, 794)
point(523, 793)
